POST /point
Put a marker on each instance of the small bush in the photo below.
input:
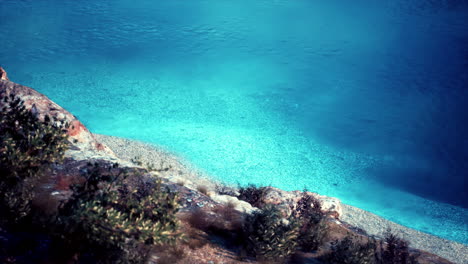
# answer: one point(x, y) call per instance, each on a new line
point(351, 251)
point(396, 250)
point(253, 195)
point(269, 236)
point(28, 148)
point(312, 235)
point(108, 212)
point(309, 207)
point(313, 226)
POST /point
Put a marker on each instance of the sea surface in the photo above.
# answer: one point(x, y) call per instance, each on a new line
point(363, 100)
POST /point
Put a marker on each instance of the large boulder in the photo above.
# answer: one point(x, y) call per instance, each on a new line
point(83, 144)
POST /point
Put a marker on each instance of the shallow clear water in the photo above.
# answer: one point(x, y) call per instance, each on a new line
point(365, 101)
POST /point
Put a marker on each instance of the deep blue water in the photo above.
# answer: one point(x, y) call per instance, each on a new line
point(363, 100)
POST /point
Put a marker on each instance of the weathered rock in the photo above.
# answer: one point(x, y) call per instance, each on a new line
point(3, 74)
point(83, 143)
point(330, 204)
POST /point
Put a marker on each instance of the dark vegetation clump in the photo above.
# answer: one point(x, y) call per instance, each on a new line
point(110, 211)
point(352, 250)
point(253, 195)
point(273, 235)
point(396, 251)
point(28, 149)
point(312, 222)
point(269, 236)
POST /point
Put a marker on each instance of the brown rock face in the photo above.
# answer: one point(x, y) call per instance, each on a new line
point(3, 74)
point(84, 145)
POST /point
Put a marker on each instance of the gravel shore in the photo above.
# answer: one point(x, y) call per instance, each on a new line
point(374, 225)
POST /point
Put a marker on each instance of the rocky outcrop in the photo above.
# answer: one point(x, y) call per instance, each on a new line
point(288, 200)
point(3, 74)
point(83, 143)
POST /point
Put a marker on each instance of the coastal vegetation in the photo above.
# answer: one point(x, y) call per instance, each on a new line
point(253, 195)
point(111, 215)
point(29, 148)
point(120, 213)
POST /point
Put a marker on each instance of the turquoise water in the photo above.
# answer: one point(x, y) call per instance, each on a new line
point(365, 101)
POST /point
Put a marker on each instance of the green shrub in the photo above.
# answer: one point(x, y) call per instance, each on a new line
point(309, 207)
point(352, 251)
point(28, 148)
point(313, 225)
point(396, 250)
point(253, 195)
point(269, 236)
point(118, 211)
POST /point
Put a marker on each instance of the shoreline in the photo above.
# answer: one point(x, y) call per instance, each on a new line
point(180, 170)
point(376, 225)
